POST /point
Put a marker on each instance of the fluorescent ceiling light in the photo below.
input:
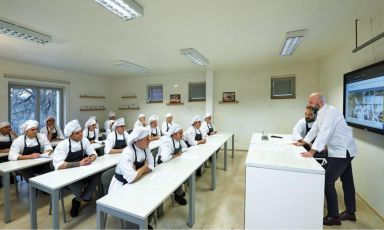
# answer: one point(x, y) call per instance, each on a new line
point(23, 33)
point(126, 9)
point(195, 56)
point(291, 41)
point(131, 66)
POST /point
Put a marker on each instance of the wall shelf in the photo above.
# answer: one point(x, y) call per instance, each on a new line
point(127, 97)
point(181, 103)
point(92, 96)
point(129, 108)
point(91, 109)
point(228, 102)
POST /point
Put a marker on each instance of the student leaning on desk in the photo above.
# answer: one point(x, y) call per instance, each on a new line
point(153, 128)
point(73, 152)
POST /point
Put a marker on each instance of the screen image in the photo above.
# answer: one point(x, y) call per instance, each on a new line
point(364, 98)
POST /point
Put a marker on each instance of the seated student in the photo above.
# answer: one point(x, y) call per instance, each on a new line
point(153, 128)
point(97, 124)
point(140, 121)
point(107, 123)
point(167, 123)
point(73, 152)
point(108, 131)
point(30, 145)
point(303, 126)
point(207, 126)
point(171, 147)
point(117, 140)
point(51, 130)
point(7, 136)
point(90, 131)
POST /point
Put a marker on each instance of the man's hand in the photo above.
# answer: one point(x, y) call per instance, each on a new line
point(85, 161)
point(298, 143)
point(34, 155)
point(309, 153)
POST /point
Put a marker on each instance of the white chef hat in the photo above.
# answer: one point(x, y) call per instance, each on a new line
point(118, 122)
point(207, 115)
point(153, 118)
point(168, 115)
point(3, 124)
point(71, 127)
point(141, 115)
point(49, 117)
point(90, 122)
point(173, 129)
point(111, 114)
point(137, 134)
point(195, 119)
point(28, 124)
point(93, 117)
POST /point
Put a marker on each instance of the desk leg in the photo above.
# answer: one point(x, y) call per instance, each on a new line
point(143, 224)
point(32, 206)
point(55, 209)
point(225, 155)
point(100, 219)
point(213, 172)
point(233, 146)
point(191, 182)
point(7, 198)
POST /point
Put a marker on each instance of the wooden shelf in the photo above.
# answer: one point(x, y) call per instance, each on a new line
point(87, 96)
point(125, 97)
point(228, 102)
point(91, 109)
point(129, 108)
point(181, 103)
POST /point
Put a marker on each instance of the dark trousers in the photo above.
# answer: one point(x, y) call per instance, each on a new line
point(84, 188)
point(339, 167)
point(34, 171)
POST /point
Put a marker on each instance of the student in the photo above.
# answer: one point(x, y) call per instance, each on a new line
point(117, 140)
point(167, 123)
point(107, 123)
point(136, 160)
point(90, 131)
point(171, 147)
point(7, 136)
point(97, 123)
point(108, 131)
point(140, 121)
point(30, 145)
point(207, 127)
point(303, 126)
point(153, 128)
point(76, 151)
point(51, 130)
point(332, 130)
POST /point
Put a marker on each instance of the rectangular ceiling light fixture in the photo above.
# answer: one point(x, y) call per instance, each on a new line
point(291, 41)
point(23, 33)
point(131, 66)
point(126, 9)
point(195, 56)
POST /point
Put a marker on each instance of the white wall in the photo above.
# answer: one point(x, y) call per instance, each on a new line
point(79, 84)
point(368, 165)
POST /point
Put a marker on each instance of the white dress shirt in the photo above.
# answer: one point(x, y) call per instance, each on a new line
point(57, 130)
point(205, 127)
point(62, 149)
point(110, 141)
point(190, 135)
point(300, 129)
point(91, 134)
point(331, 129)
point(154, 130)
point(164, 127)
point(166, 148)
point(17, 146)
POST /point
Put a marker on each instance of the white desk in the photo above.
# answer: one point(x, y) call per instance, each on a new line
point(6, 168)
point(159, 187)
point(283, 189)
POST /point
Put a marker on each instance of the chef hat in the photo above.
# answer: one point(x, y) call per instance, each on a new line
point(207, 115)
point(93, 117)
point(111, 114)
point(195, 119)
point(168, 115)
point(90, 122)
point(28, 124)
point(71, 127)
point(141, 115)
point(118, 122)
point(153, 118)
point(48, 118)
point(3, 124)
point(173, 129)
point(137, 134)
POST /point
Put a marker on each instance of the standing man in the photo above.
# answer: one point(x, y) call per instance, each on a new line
point(332, 130)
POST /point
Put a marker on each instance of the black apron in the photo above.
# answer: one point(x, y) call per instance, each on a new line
point(6, 144)
point(33, 149)
point(54, 134)
point(307, 128)
point(154, 134)
point(75, 156)
point(91, 138)
point(175, 151)
point(119, 144)
point(198, 137)
point(210, 129)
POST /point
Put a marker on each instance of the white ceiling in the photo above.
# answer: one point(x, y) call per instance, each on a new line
point(229, 33)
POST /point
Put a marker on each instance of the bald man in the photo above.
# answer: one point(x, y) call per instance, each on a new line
point(330, 129)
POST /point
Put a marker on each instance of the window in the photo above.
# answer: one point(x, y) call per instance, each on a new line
point(34, 102)
point(283, 87)
point(197, 91)
point(155, 94)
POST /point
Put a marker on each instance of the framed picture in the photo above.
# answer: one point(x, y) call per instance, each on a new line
point(175, 98)
point(229, 97)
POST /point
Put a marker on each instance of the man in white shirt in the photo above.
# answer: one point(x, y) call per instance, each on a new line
point(51, 130)
point(167, 123)
point(30, 145)
point(107, 123)
point(303, 126)
point(76, 151)
point(117, 140)
point(331, 130)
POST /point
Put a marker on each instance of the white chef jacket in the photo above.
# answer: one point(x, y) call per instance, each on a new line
point(190, 135)
point(205, 127)
point(62, 149)
point(153, 130)
point(300, 129)
point(331, 129)
point(17, 146)
point(166, 148)
point(138, 124)
point(5, 138)
point(164, 127)
point(91, 134)
point(110, 141)
point(107, 127)
point(57, 130)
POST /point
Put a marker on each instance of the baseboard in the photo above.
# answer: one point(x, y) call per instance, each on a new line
point(378, 214)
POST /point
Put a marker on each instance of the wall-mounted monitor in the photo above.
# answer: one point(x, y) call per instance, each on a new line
point(364, 98)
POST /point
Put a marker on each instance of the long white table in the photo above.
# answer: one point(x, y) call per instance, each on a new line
point(160, 184)
point(283, 189)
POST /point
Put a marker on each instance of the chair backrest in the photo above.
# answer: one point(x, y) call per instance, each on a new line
point(154, 154)
point(106, 178)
